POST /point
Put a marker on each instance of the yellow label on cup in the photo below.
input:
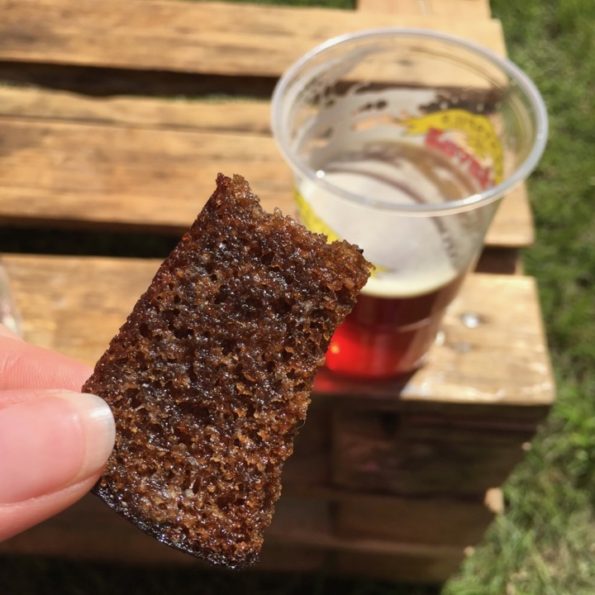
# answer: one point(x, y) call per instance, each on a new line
point(311, 220)
point(480, 138)
point(314, 223)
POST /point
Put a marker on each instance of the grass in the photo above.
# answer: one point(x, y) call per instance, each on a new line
point(545, 543)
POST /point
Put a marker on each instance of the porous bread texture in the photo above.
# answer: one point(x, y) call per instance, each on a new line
point(210, 377)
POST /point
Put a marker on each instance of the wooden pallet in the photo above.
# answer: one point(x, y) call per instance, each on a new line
point(389, 480)
point(130, 162)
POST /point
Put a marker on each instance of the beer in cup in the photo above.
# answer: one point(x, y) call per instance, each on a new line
point(403, 142)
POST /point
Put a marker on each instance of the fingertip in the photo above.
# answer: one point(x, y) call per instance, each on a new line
point(15, 518)
point(99, 429)
point(51, 442)
point(26, 366)
point(6, 333)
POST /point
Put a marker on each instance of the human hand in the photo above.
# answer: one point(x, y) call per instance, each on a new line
point(54, 441)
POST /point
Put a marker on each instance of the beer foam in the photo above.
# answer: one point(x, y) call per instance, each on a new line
point(411, 253)
point(391, 286)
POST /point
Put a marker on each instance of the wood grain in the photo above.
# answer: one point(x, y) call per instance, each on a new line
point(308, 468)
point(90, 530)
point(299, 541)
point(439, 520)
point(513, 224)
point(476, 9)
point(383, 453)
point(75, 305)
point(215, 115)
point(202, 37)
point(63, 172)
point(404, 567)
point(57, 170)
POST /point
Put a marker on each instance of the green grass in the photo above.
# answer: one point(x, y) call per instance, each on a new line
point(545, 542)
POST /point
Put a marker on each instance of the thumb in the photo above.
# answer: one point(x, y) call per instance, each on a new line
point(53, 446)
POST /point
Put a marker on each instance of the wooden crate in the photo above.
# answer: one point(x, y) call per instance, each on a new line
point(393, 480)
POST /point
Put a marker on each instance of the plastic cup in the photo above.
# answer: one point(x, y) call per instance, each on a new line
point(8, 313)
point(403, 142)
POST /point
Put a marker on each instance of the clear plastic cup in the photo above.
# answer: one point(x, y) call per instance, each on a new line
point(8, 312)
point(403, 141)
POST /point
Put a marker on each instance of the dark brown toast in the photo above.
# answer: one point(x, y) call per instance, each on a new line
point(210, 377)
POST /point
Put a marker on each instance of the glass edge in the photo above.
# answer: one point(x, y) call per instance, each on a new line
point(9, 315)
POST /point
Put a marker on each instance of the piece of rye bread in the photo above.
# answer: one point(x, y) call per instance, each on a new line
point(210, 377)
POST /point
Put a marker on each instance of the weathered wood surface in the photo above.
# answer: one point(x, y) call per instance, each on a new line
point(467, 9)
point(430, 457)
point(83, 174)
point(90, 529)
point(492, 350)
point(101, 532)
point(435, 521)
point(400, 454)
point(197, 37)
point(301, 538)
point(308, 470)
point(512, 226)
point(215, 115)
point(383, 453)
point(148, 163)
point(409, 568)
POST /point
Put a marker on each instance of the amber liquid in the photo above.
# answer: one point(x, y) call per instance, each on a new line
point(384, 337)
point(398, 316)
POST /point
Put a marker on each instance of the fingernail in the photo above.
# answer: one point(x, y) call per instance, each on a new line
point(49, 443)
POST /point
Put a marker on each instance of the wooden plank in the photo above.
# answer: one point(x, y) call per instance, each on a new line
point(410, 456)
point(492, 351)
point(441, 520)
point(513, 223)
point(476, 9)
point(492, 500)
point(89, 530)
point(64, 172)
point(310, 463)
point(404, 567)
point(216, 115)
point(8, 315)
point(202, 37)
point(385, 453)
point(56, 170)
point(417, 520)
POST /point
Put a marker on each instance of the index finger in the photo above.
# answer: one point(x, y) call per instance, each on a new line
point(25, 366)
point(5, 332)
